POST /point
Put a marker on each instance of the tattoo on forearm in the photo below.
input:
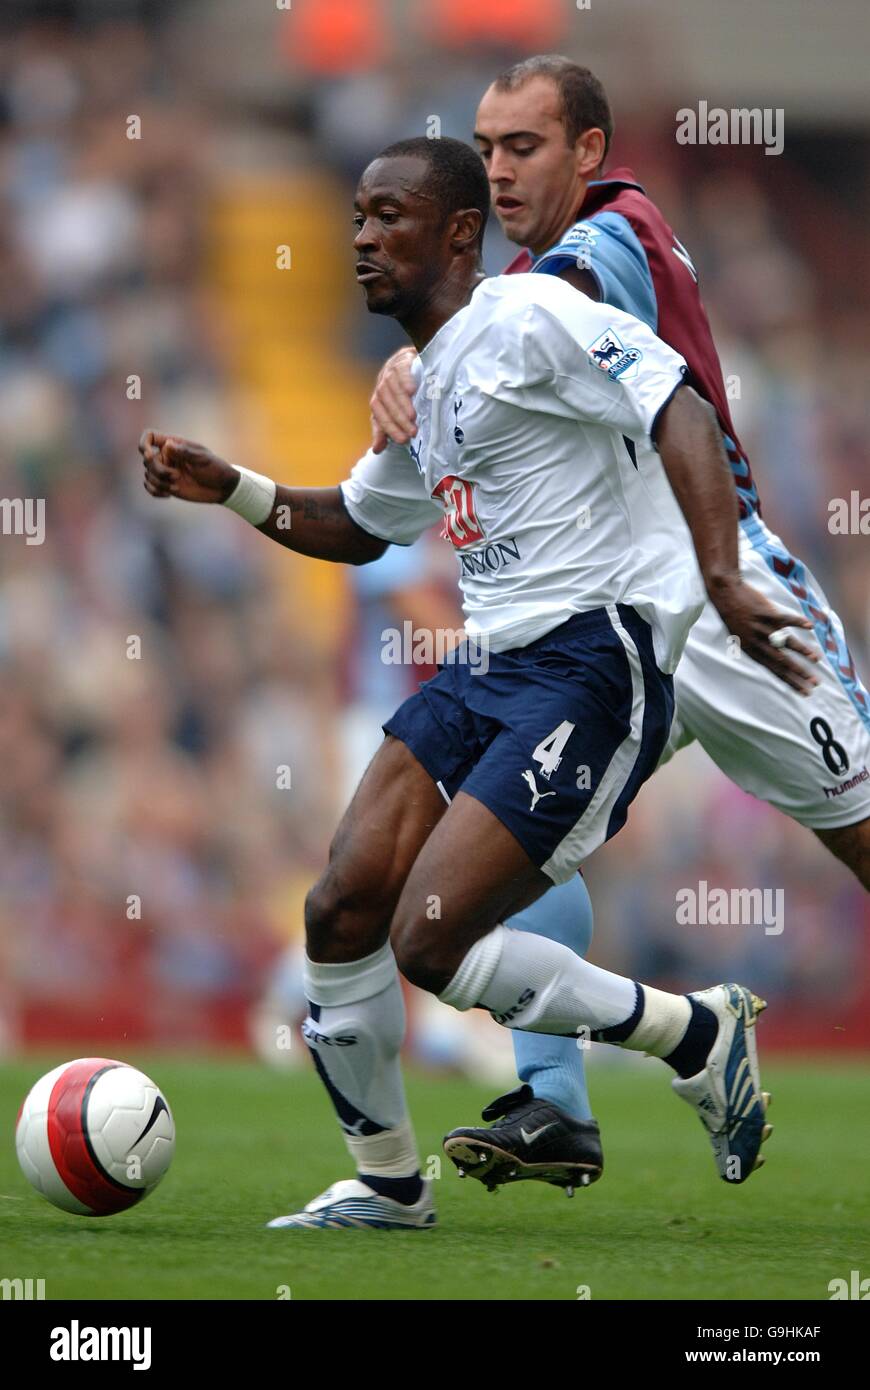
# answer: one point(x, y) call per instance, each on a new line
point(314, 510)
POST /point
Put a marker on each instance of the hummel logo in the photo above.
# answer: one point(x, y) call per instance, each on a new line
point(529, 776)
point(535, 1132)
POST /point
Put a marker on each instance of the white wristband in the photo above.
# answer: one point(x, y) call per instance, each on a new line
point(253, 496)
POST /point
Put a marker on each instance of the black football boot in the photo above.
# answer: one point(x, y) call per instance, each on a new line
point(530, 1139)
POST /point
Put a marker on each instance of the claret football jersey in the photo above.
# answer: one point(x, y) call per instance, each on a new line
point(641, 267)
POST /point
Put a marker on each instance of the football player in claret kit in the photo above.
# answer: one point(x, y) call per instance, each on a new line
point(543, 129)
point(500, 776)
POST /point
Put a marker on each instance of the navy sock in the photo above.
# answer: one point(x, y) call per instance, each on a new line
point(404, 1190)
point(690, 1056)
point(618, 1032)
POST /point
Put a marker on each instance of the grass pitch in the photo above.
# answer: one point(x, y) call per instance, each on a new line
point(660, 1224)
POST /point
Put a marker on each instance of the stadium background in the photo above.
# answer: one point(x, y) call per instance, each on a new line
point(153, 260)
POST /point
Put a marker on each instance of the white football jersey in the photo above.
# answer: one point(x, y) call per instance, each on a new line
point(535, 411)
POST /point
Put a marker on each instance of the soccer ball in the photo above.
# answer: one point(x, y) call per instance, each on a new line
point(94, 1136)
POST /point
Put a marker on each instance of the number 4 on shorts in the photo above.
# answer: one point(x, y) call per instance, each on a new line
point(550, 749)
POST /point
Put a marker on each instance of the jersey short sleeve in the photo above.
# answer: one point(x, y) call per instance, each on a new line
point(602, 366)
point(387, 497)
point(607, 246)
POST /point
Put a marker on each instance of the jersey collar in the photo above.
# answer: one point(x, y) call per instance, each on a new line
point(598, 192)
point(623, 175)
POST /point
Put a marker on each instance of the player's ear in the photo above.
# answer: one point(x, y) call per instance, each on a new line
point(466, 229)
point(589, 151)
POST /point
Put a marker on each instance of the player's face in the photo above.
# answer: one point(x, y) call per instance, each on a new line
point(537, 180)
point(400, 241)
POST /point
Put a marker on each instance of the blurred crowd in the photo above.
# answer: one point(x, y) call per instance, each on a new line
point(153, 860)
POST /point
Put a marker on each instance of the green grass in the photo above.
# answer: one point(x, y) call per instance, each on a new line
point(659, 1225)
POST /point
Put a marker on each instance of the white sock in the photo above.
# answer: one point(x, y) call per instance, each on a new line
point(541, 986)
point(354, 1031)
point(663, 1021)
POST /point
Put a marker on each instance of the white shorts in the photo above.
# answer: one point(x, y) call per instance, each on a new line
point(807, 755)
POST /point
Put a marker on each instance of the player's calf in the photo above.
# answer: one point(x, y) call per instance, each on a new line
point(851, 845)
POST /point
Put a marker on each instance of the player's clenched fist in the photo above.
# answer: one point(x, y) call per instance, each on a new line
point(179, 468)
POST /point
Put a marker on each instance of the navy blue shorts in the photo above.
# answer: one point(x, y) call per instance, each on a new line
point(555, 738)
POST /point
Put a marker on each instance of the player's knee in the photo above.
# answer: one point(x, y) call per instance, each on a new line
point(423, 956)
point(338, 927)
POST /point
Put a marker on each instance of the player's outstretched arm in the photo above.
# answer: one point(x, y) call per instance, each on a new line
point(312, 521)
point(690, 445)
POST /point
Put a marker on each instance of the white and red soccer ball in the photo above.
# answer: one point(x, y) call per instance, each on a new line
point(94, 1136)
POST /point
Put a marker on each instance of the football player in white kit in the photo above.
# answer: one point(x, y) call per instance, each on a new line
point(498, 777)
point(543, 129)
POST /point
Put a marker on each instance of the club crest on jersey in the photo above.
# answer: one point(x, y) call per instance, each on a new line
point(612, 356)
point(461, 526)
